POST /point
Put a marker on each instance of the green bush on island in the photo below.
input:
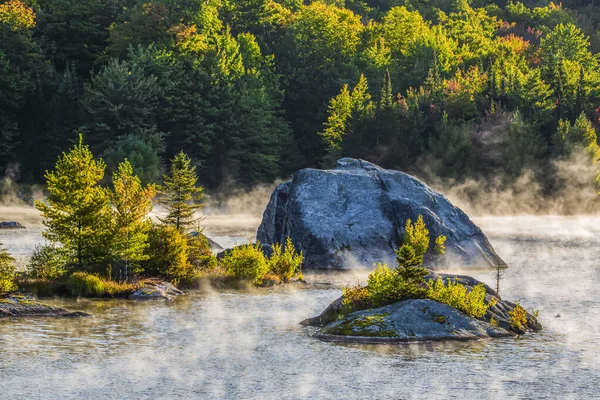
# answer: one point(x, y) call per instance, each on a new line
point(92, 285)
point(407, 281)
point(85, 284)
point(47, 262)
point(249, 262)
point(518, 317)
point(7, 272)
point(176, 256)
point(456, 295)
point(246, 262)
point(285, 262)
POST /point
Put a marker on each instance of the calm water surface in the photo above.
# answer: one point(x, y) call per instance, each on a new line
point(250, 346)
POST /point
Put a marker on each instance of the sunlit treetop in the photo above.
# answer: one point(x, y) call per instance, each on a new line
point(17, 15)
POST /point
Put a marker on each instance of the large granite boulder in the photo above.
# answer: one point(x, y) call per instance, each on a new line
point(355, 213)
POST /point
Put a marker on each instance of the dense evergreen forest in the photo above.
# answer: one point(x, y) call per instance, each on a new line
point(254, 89)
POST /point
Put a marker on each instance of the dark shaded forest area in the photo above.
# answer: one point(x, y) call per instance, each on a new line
point(254, 89)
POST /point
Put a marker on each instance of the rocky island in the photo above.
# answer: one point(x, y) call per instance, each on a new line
point(12, 305)
point(358, 213)
point(415, 320)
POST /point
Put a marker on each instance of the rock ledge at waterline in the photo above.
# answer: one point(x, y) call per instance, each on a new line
point(418, 320)
point(355, 213)
point(28, 306)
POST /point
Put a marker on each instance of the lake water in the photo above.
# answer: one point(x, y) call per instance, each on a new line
point(238, 345)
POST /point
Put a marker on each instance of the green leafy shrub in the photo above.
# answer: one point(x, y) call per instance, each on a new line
point(356, 296)
point(246, 262)
point(284, 262)
point(384, 286)
point(47, 262)
point(518, 317)
point(7, 272)
point(85, 284)
point(456, 295)
point(200, 257)
point(168, 254)
point(407, 280)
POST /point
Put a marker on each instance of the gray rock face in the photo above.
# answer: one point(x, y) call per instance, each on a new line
point(156, 290)
point(354, 215)
point(409, 320)
point(28, 306)
point(11, 225)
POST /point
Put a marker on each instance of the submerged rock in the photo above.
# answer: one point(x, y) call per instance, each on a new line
point(155, 290)
point(356, 213)
point(28, 306)
point(418, 320)
point(11, 225)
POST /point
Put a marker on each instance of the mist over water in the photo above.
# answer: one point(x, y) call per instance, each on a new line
point(228, 344)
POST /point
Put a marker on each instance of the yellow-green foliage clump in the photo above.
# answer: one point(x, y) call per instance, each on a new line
point(384, 286)
point(249, 262)
point(84, 284)
point(456, 295)
point(47, 262)
point(355, 298)
point(91, 285)
point(7, 272)
point(246, 262)
point(175, 256)
point(407, 281)
point(518, 317)
point(285, 262)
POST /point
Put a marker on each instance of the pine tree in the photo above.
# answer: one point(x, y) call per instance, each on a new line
point(78, 214)
point(132, 203)
point(340, 110)
point(409, 258)
point(7, 271)
point(181, 195)
point(386, 99)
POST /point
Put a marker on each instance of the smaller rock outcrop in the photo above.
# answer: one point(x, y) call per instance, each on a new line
point(407, 321)
point(11, 225)
point(155, 290)
point(28, 306)
point(419, 320)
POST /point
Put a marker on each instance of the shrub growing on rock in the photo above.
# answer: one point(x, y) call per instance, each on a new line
point(456, 295)
point(7, 272)
point(384, 286)
point(407, 280)
point(246, 262)
point(284, 262)
point(518, 317)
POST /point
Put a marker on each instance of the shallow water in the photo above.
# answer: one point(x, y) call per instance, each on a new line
point(250, 346)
